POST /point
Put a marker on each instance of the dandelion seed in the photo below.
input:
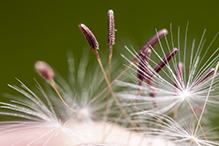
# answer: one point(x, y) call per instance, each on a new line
point(111, 29)
point(143, 67)
point(111, 42)
point(44, 70)
point(150, 43)
point(91, 39)
point(47, 73)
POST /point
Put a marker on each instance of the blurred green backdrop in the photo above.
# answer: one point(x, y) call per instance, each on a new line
point(47, 30)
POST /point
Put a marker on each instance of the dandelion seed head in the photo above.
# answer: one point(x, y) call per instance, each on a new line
point(157, 106)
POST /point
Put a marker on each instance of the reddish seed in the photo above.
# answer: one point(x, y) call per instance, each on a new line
point(111, 28)
point(165, 60)
point(153, 40)
point(44, 70)
point(89, 36)
point(203, 77)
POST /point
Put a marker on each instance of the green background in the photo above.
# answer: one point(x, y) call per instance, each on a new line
point(47, 30)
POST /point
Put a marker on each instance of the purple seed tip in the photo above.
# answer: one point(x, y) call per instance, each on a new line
point(89, 36)
point(44, 70)
point(164, 31)
point(175, 50)
point(110, 11)
point(111, 28)
point(203, 78)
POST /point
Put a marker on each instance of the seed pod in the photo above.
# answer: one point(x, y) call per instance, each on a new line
point(44, 70)
point(111, 28)
point(89, 36)
point(165, 60)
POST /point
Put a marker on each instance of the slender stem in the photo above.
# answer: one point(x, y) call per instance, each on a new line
point(104, 90)
point(111, 41)
point(116, 121)
point(206, 100)
point(199, 124)
point(114, 97)
point(108, 95)
point(175, 112)
point(178, 72)
point(56, 90)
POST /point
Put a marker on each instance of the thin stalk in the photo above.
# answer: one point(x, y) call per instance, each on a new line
point(114, 97)
point(206, 100)
point(111, 42)
point(56, 90)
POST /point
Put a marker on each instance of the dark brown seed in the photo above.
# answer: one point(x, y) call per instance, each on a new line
point(152, 91)
point(203, 77)
point(153, 40)
point(143, 70)
point(91, 39)
point(179, 69)
point(165, 60)
point(111, 28)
